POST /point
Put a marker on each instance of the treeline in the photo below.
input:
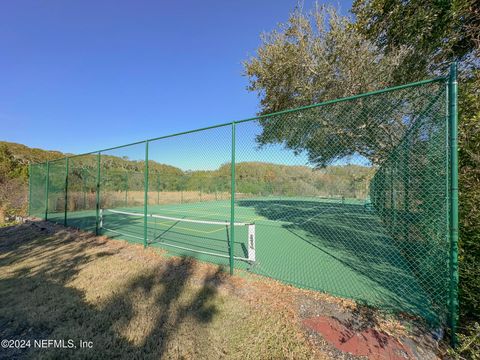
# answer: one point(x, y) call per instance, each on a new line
point(121, 174)
point(255, 178)
point(14, 161)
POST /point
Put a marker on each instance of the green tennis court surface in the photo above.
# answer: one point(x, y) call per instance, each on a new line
point(339, 247)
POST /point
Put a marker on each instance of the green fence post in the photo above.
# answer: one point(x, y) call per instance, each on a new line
point(145, 205)
point(406, 192)
point(126, 188)
point(392, 197)
point(47, 180)
point(29, 189)
point(84, 188)
point(97, 201)
point(66, 192)
point(158, 188)
point(232, 202)
point(453, 118)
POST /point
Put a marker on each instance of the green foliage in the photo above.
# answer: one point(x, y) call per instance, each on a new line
point(469, 339)
point(469, 157)
point(391, 42)
point(18, 156)
point(120, 173)
point(271, 179)
point(263, 179)
point(437, 32)
point(313, 57)
point(14, 161)
point(9, 166)
point(317, 56)
point(12, 185)
point(434, 32)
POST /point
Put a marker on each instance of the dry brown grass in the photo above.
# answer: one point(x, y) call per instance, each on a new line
point(13, 199)
point(137, 304)
point(80, 201)
point(172, 197)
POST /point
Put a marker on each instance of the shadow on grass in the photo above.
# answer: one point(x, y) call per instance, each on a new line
point(38, 301)
point(354, 237)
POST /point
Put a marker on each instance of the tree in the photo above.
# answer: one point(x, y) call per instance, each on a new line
point(469, 164)
point(9, 166)
point(12, 188)
point(317, 56)
point(439, 32)
point(436, 32)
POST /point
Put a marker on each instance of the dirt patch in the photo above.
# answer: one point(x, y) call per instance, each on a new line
point(369, 342)
point(361, 330)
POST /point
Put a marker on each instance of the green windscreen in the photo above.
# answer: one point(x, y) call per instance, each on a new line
point(410, 195)
point(56, 191)
point(37, 191)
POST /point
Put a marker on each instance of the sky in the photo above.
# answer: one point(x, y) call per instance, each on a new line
point(78, 76)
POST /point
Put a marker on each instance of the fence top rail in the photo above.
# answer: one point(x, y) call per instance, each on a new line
point(324, 103)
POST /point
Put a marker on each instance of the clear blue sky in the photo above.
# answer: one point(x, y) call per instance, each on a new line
point(77, 76)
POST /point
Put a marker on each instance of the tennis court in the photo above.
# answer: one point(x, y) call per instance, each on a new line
point(338, 246)
point(349, 197)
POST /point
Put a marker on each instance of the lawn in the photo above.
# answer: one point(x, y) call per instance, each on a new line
point(58, 283)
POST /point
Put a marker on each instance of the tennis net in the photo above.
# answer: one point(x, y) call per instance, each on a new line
point(191, 235)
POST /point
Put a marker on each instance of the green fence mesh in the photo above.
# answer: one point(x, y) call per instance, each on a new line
point(37, 191)
point(82, 188)
point(56, 191)
point(195, 186)
point(350, 197)
point(122, 189)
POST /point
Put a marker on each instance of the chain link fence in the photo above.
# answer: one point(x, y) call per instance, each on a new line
point(354, 197)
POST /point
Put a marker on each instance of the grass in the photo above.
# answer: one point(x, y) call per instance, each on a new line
point(131, 303)
point(293, 237)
